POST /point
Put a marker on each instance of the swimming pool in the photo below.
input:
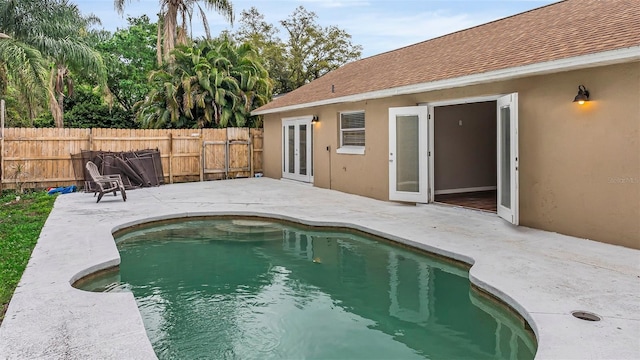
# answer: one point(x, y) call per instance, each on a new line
point(254, 288)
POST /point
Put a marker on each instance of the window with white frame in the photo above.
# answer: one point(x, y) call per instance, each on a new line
point(352, 138)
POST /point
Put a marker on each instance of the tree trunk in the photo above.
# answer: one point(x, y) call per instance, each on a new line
point(60, 119)
point(54, 108)
point(57, 105)
point(159, 42)
point(170, 24)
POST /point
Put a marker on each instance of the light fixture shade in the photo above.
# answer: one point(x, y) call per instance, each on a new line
point(314, 119)
point(583, 95)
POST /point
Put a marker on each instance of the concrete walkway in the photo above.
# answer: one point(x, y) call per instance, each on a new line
point(544, 276)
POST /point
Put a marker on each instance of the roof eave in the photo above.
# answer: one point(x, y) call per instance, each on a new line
point(578, 62)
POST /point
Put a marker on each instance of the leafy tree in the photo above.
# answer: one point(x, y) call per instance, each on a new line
point(21, 65)
point(86, 108)
point(309, 52)
point(171, 10)
point(211, 84)
point(243, 64)
point(129, 54)
point(17, 111)
point(312, 50)
point(58, 31)
point(263, 36)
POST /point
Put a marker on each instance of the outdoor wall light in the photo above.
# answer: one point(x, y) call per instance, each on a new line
point(314, 119)
point(583, 95)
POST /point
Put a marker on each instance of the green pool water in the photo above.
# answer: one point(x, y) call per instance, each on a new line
point(256, 289)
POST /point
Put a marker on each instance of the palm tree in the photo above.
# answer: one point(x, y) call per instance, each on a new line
point(210, 84)
point(25, 68)
point(244, 65)
point(194, 93)
point(21, 65)
point(253, 79)
point(172, 10)
point(207, 90)
point(57, 30)
point(160, 109)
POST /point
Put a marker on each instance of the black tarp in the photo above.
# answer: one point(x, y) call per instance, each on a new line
point(141, 168)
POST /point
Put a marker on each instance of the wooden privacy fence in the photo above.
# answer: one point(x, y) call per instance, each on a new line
point(41, 157)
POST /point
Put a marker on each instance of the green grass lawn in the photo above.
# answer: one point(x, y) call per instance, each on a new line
point(20, 225)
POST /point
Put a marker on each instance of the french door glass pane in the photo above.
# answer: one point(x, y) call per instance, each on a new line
point(292, 147)
point(303, 149)
point(505, 157)
point(407, 153)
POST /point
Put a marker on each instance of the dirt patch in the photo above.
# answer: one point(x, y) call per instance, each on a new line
point(3, 311)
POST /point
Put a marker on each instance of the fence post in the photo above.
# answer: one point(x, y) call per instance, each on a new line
point(170, 158)
point(201, 162)
point(91, 140)
point(250, 154)
point(1, 144)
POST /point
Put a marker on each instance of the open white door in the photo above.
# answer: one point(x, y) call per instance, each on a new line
point(408, 177)
point(296, 148)
point(508, 158)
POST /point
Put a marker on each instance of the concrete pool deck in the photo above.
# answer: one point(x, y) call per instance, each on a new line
point(544, 276)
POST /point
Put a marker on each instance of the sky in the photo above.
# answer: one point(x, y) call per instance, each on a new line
point(377, 25)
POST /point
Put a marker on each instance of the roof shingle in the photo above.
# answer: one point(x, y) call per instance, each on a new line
point(562, 30)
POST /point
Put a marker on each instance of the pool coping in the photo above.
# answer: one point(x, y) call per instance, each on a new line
point(544, 276)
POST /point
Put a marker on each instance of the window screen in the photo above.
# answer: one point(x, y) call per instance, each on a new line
point(352, 129)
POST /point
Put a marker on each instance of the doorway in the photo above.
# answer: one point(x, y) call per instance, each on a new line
point(475, 161)
point(297, 157)
point(465, 155)
point(501, 124)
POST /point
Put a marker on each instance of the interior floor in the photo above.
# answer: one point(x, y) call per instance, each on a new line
point(481, 200)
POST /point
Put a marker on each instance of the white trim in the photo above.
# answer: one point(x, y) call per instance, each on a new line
point(353, 150)
point(422, 195)
point(469, 100)
point(578, 62)
point(432, 118)
point(510, 213)
point(465, 190)
point(352, 112)
point(297, 122)
point(341, 131)
point(306, 118)
point(431, 152)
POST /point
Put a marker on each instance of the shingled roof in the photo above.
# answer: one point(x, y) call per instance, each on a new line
point(565, 30)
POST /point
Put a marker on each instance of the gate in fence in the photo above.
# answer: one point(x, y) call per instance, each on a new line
point(229, 158)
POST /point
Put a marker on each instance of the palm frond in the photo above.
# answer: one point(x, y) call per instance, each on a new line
point(223, 7)
point(207, 30)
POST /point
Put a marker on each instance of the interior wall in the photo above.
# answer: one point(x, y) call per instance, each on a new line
point(465, 146)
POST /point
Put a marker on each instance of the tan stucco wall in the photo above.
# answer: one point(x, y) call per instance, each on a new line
point(579, 165)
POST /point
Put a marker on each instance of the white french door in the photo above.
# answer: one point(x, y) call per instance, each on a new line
point(297, 149)
point(408, 172)
point(508, 199)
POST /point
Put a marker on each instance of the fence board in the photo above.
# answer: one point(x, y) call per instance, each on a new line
point(257, 146)
point(41, 157)
point(213, 153)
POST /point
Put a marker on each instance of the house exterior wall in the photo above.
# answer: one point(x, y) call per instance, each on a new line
point(579, 166)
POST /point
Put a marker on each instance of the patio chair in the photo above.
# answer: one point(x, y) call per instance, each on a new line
point(105, 183)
